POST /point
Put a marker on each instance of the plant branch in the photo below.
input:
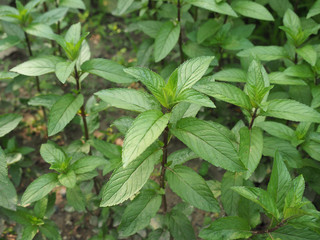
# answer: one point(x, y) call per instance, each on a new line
point(254, 116)
point(163, 167)
point(263, 231)
point(180, 35)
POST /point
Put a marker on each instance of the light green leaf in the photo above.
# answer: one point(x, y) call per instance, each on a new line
point(46, 100)
point(77, 4)
point(179, 226)
point(252, 10)
point(225, 92)
point(276, 129)
point(40, 30)
point(64, 70)
point(231, 75)
point(192, 188)
point(76, 198)
point(51, 154)
point(123, 124)
point(250, 148)
point(165, 41)
point(308, 53)
point(314, 10)
point(279, 182)
point(38, 66)
point(260, 197)
point(63, 111)
point(282, 79)
point(209, 142)
point(299, 71)
point(227, 228)
point(195, 97)
point(291, 110)
point(106, 69)
point(39, 188)
point(280, 6)
point(87, 164)
point(139, 213)
point(181, 156)
point(52, 16)
point(264, 53)
point(312, 148)
point(222, 7)
point(125, 182)
point(129, 99)
point(150, 27)
point(29, 232)
point(145, 129)
point(293, 198)
point(8, 122)
point(68, 179)
point(8, 42)
point(122, 6)
point(208, 29)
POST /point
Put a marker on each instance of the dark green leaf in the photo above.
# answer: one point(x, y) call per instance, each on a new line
point(252, 10)
point(8, 122)
point(179, 226)
point(222, 7)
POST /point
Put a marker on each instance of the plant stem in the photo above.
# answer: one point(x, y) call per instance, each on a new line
point(83, 113)
point(180, 35)
point(58, 30)
point(263, 231)
point(254, 116)
point(163, 167)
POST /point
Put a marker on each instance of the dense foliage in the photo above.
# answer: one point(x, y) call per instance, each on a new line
point(226, 122)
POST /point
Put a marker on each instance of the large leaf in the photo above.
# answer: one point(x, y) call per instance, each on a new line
point(279, 182)
point(64, 70)
point(291, 233)
point(208, 29)
point(179, 226)
point(106, 69)
point(231, 75)
point(139, 213)
point(308, 53)
point(276, 129)
point(192, 188)
point(40, 30)
point(52, 16)
point(129, 99)
point(76, 198)
point(39, 188)
point(8, 122)
point(63, 111)
point(51, 154)
point(283, 79)
point(165, 41)
point(250, 148)
point(46, 100)
point(314, 10)
point(29, 232)
point(209, 142)
point(125, 182)
point(68, 179)
point(37, 66)
point(232, 227)
point(145, 129)
point(264, 53)
point(252, 10)
point(225, 92)
point(291, 110)
point(215, 6)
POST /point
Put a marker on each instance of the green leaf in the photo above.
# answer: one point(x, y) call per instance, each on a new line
point(260, 197)
point(109, 150)
point(166, 39)
point(39, 188)
point(38, 66)
point(276, 129)
point(282, 79)
point(76, 198)
point(129, 99)
point(208, 29)
point(232, 227)
point(63, 111)
point(139, 213)
point(51, 154)
point(150, 79)
point(308, 53)
point(125, 182)
point(252, 10)
point(225, 92)
point(87, 164)
point(106, 69)
point(291, 21)
point(229, 198)
point(299, 71)
point(280, 6)
point(123, 124)
point(181, 156)
point(64, 70)
point(279, 182)
point(68, 179)
point(122, 6)
point(264, 53)
point(208, 142)
point(50, 230)
point(40, 30)
point(150, 27)
point(145, 129)
point(8, 122)
point(231, 75)
point(40, 207)
point(8, 195)
point(192, 188)
point(52, 16)
point(290, 233)
point(46, 100)
point(222, 7)
point(312, 148)
point(8, 42)
point(294, 195)
point(179, 226)
point(291, 110)
point(250, 148)
point(29, 232)
point(195, 97)
point(77, 4)
point(314, 10)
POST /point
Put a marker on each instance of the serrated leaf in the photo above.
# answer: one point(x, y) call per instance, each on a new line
point(264, 53)
point(129, 99)
point(125, 182)
point(232, 227)
point(51, 154)
point(291, 110)
point(68, 179)
point(179, 226)
point(276, 129)
point(139, 213)
point(40, 30)
point(46, 100)
point(165, 41)
point(64, 70)
point(76, 198)
point(39, 188)
point(38, 66)
point(222, 7)
point(225, 92)
point(192, 188)
point(290, 233)
point(195, 97)
point(106, 69)
point(8, 122)
point(63, 111)
point(208, 142)
point(282, 79)
point(308, 53)
point(293, 198)
point(150, 27)
point(300, 71)
point(29, 232)
point(87, 164)
point(231, 75)
point(252, 10)
point(145, 129)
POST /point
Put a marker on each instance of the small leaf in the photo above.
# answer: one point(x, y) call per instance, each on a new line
point(40, 30)
point(52, 16)
point(145, 129)
point(282, 79)
point(208, 29)
point(64, 70)
point(76, 198)
point(276, 129)
point(222, 7)
point(109, 150)
point(195, 97)
point(181, 156)
point(264, 53)
point(77, 4)
point(29, 232)
point(39, 188)
point(299, 71)
point(150, 27)
point(8, 122)
point(252, 10)
point(46, 100)
point(308, 53)
point(51, 154)
point(231, 75)
point(68, 179)
point(314, 10)
point(62, 112)
point(87, 164)
point(179, 226)
point(290, 233)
